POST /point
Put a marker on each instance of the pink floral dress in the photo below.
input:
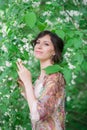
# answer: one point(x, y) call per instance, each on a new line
point(48, 111)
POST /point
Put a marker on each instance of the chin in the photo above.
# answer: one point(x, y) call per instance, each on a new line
point(38, 57)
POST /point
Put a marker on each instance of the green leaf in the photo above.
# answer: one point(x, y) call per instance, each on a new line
point(79, 58)
point(53, 69)
point(77, 43)
point(60, 33)
point(67, 74)
point(30, 19)
point(41, 26)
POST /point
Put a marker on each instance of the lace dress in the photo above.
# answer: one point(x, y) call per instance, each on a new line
point(48, 111)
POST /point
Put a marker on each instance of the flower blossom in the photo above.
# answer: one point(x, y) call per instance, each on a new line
point(35, 4)
point(24, 40)
point(25, 1)
point(47, 13)
point(68, 99)
point(3, 48)
point(8, 64)
point(4, 30)
point(71, 66)
point(1, 68)
point(48, 22)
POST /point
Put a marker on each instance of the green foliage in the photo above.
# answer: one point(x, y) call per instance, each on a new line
point(20, 22)
point(30, 19)
point(53, 69)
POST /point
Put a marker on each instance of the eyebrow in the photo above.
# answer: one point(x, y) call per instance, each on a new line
point(44, 41)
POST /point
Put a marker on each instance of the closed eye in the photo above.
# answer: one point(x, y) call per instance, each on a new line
point(46, 44)
point(37, 42)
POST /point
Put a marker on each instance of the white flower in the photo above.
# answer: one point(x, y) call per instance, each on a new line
point(4, 30)
point(24, 40)
point(10, 78)
point(74, 13)
point(1, 13)
point(47, 13)
point(18, 60)
point(7, 96)
point(21, 49)
point(6, 114)
point(21, 25)
point(72, 81)
point(25, 1)
point(84, 2)
point(66, 56)
point(71, 66)
point(59, 20)
point(69, 49)
point(68, 99)
point(48, 2)
point(12, 88)
point(4, 48)
point(25, 62)
point(35, 4)
point(62, 12)
point(1, 68)
point(16, 110)
point(67, 19)
point(3, 80)
point(26, 47)
point(30, 62)
point(85, 42)
point(15, 23)
point(8, 64)
point(73, 75)
point(48, 22)
point(76, 25)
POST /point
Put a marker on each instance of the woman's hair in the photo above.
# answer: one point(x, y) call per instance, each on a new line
point(57, 43)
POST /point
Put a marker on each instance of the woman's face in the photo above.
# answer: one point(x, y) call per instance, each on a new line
point(44, 49)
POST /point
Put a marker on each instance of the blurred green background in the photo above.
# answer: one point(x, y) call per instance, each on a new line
point(20, 22)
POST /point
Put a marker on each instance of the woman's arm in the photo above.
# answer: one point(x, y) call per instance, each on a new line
point(22, 88)
point(25, 77)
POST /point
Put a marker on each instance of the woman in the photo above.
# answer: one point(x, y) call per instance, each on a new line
point(46, 97)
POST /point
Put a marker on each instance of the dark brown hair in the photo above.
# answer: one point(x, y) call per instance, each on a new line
point(57, 43)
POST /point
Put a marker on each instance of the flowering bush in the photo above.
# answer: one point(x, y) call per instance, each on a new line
point(21, 21)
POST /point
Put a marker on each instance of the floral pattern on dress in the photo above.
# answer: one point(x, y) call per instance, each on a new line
point(50, 94)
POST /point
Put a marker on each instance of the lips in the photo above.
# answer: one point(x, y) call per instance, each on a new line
point(38, 52)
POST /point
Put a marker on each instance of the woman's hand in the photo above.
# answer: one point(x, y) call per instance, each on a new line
point(24, 73)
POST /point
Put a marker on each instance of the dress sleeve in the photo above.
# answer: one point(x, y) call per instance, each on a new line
point(53, 89)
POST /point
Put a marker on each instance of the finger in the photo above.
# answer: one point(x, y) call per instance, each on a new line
point(20, 83)
point(18, 73)
point(19, 65)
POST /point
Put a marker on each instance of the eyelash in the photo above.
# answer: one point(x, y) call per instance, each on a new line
point(37, 42)
point(46, 44)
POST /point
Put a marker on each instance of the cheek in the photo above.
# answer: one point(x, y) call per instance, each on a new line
point(51, 51)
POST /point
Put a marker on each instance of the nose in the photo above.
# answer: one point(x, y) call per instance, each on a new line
point(39, 46)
